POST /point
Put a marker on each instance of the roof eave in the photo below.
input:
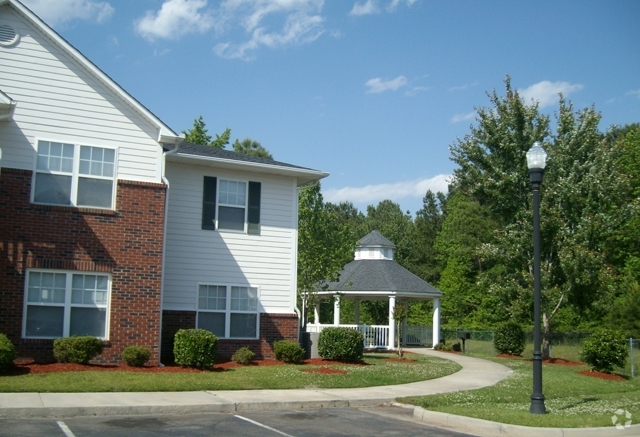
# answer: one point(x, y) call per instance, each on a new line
point(303, 176)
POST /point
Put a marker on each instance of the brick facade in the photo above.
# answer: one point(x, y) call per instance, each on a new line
point(273, 327)
point(127, 243)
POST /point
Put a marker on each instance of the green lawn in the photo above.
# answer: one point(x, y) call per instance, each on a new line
point(378, 372)
point(572, 400)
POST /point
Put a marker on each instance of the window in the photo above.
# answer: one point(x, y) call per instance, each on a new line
point(75, 175)
point(62, 304)
point(237, 207)
point(228, 311)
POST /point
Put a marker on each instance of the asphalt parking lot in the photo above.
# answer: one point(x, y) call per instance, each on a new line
point(378, 421)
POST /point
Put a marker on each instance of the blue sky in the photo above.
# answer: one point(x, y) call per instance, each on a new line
point(372, 91)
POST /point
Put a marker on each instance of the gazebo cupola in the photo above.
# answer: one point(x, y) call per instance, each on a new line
point(375, 246)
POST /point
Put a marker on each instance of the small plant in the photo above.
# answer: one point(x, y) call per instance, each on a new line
point(456, 347)
point(288, 351)
point(136, 356)
point(243, 356)
point(195, 348)
point(509, 338)
point(442, 346)
point(75, 349)
point(604, 350)
point(7, 353)
point(342, 344)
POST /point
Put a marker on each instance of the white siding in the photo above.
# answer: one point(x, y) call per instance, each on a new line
point(197, 256)
point(59, 100)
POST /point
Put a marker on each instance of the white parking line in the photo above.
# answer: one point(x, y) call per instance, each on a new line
point(261, 425)
point(65, 429)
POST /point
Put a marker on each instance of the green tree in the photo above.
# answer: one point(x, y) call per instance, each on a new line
point(252, 148)
point(323, 244)
point(198, 135)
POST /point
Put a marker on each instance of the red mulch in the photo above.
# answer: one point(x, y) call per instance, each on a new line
point(23, 367)
point(600, 375)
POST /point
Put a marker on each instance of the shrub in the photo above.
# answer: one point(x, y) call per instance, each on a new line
point(442, 346)
point(243, 355)
point(77, 349)
point(7, 353)
point(456, 347)
point(288, 351)
point(195, 348)
point(604, 350)
point(342, 344)
point(136, 356)
point(509, 338)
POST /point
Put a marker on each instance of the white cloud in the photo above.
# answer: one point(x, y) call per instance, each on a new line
point(634, 92)
point(376, 193)
point(415, 90)
point(546, 93)
point(367, 8)
point(175, 19)
point(463, 87)
point(61, 11)
point(300, 23)
point(378, 85)
point(394, 4)
point(463, 117)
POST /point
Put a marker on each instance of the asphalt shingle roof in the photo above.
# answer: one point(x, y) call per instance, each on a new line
point(375, 239)
point(186, 148)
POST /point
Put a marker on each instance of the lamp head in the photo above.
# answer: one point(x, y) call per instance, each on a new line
point(536, 157)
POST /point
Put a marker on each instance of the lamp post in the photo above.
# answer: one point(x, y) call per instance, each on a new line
point(536, 160)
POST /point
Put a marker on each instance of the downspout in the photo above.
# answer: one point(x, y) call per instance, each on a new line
point(164, 237)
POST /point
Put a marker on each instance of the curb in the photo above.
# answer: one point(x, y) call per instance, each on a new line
point(486, 428)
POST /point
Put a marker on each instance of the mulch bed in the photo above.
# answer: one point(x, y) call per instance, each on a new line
point(600, 375)
point(27, 367)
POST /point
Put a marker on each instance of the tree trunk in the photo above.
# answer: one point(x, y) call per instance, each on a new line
point(546, 329)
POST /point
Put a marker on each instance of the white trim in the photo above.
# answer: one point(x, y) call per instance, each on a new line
point(245, 225)
point(75, 174)
point(294, 253)
point(228, 311)
point(67, 305)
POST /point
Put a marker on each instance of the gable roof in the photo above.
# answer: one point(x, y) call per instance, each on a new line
point(212, 156)
point(164, 132)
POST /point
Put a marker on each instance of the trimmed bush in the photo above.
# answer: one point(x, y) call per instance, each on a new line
point(243, 355)
point(509, 338)
point(7, 353)
point(136, 356)
point(605, 350)
point(343, 344)
point(442, 346)
point(75, 349)
point(195, 348)
point(288, 351)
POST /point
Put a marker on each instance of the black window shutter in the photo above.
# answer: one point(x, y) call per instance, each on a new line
point(209, 203)
point(253, 215)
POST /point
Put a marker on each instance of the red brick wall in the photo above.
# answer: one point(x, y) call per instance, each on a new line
point(126, 242)
point(273, 327)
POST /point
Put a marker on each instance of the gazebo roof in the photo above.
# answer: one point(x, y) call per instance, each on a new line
point(379, 278)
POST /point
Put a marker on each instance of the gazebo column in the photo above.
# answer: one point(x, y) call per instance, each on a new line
point(356, 311)
point(436, 322)
point(316, 312)
point(392, 323)
point(336, 310)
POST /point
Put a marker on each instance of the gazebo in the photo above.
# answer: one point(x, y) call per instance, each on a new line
point(374, 275)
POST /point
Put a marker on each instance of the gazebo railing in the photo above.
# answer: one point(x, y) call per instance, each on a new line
point(375, 336)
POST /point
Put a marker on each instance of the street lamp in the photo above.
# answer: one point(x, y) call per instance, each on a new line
point(536, 160)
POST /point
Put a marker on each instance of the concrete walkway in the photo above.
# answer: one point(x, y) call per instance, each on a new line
point(475, 373)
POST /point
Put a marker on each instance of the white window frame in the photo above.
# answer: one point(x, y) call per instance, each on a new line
point(228, 311)
point(219, 204)
point(75, 174)
point(67, 305)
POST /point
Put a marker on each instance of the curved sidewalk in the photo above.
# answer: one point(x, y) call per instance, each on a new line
point(475, 373)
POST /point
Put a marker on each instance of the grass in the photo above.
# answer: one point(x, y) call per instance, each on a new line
point(572, 400)
point(378, 372)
